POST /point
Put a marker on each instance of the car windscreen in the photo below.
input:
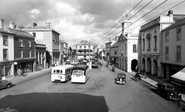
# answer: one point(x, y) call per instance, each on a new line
point(78, 72)
point(170, 87)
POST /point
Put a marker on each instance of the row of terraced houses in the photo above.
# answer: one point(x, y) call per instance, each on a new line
point(28, 47)
point(158, 49)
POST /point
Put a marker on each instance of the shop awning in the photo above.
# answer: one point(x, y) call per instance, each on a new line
point(180, 75)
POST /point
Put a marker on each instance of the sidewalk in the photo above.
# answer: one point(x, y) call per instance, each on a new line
point(154, 84)
point(14, 79)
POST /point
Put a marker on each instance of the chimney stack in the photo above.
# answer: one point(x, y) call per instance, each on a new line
point(1, 23)
point(48, 24)
point(11, 25)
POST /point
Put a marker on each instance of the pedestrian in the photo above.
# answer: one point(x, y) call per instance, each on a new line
point(19, 72)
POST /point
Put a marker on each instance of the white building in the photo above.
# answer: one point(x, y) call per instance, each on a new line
point(6, 52)
point(46, 35)
point(150, 43)
point(127, 49)
point(173, 51)
point(84, 50)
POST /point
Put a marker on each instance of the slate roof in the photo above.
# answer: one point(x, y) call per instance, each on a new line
point(115, 44)
point(39, 28)
point(19, 33)
point(176, 24)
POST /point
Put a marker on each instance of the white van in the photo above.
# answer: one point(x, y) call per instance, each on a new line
point(61, 73)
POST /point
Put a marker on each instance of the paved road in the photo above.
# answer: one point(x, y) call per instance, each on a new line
point(99, 94)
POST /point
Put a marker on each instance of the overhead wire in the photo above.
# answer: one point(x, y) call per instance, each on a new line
point(159, 14)
point(122, 18)
point(129, 18)
point(142, 16)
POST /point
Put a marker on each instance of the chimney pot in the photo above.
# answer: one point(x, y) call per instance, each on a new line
point(11, 25)
point(1, 23)
point(34, 24)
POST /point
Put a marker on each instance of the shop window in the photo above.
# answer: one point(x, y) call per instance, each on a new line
point(29, 53)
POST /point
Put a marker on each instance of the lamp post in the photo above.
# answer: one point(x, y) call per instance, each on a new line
point(90, 67)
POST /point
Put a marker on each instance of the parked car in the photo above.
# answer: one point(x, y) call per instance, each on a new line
point(94, 64)
point(167, 90)
point(68, 62)
point(5, 84)
point(120, 79)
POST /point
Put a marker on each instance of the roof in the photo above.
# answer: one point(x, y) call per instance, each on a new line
point(40, 28)
point(115, 44)
point(4, 31)
point(19, 32)
point(62, 67)
point(176, 24)
point(178, 16)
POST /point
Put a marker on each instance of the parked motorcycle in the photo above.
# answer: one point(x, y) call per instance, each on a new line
point(137, 77)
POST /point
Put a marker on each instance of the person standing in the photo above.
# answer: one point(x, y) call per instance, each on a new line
point(19, 72)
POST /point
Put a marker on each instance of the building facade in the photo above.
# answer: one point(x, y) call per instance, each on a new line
point(24, 49)
point(173, 50)
point(6, 52)
point(127, 48)
point(84, 50)
point(40, 53)
point(150, 43)
point(46, 35)
point(63, 48)
point(114, 54)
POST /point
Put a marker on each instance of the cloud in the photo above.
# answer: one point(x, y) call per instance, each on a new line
point(76, 20)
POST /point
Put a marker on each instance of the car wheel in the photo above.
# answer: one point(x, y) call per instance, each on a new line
point(9, 85)
point(168, 97)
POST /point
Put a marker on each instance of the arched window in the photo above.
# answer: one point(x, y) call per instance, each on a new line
point(134, 48)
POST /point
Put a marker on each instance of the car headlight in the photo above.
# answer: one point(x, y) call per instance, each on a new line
point(171, 93)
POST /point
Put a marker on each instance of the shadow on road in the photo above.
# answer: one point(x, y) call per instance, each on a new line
point(53, 102)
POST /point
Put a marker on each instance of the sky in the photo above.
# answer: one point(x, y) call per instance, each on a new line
point(93, 20)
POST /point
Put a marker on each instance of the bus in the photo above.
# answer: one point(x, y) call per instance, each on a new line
point(61, 73)
point(79, 74)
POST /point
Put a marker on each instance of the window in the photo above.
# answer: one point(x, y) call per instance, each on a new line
point(149, 39)
point(167, 36)
point(155, 43)
point(178, 34)
point(143, 44)
point(166, 53)
point(21, 53)
point(34, 34)
point(5, 54)
point(80, 46)
point(134, 48)
point(178, 53)
point(5, 40)
point(29, 43)
point(29, 53)
point(21, 42)
point(84, 46)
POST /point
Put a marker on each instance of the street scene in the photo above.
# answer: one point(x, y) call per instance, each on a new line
point(98, 94)
point(92, 56)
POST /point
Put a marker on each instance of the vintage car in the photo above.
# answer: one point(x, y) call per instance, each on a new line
point(5, 84)
point(167, 90)
point(94, 64)
point(121, 78)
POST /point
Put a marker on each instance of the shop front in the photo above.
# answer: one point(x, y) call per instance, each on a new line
point(6, 69)
point(24, 64)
